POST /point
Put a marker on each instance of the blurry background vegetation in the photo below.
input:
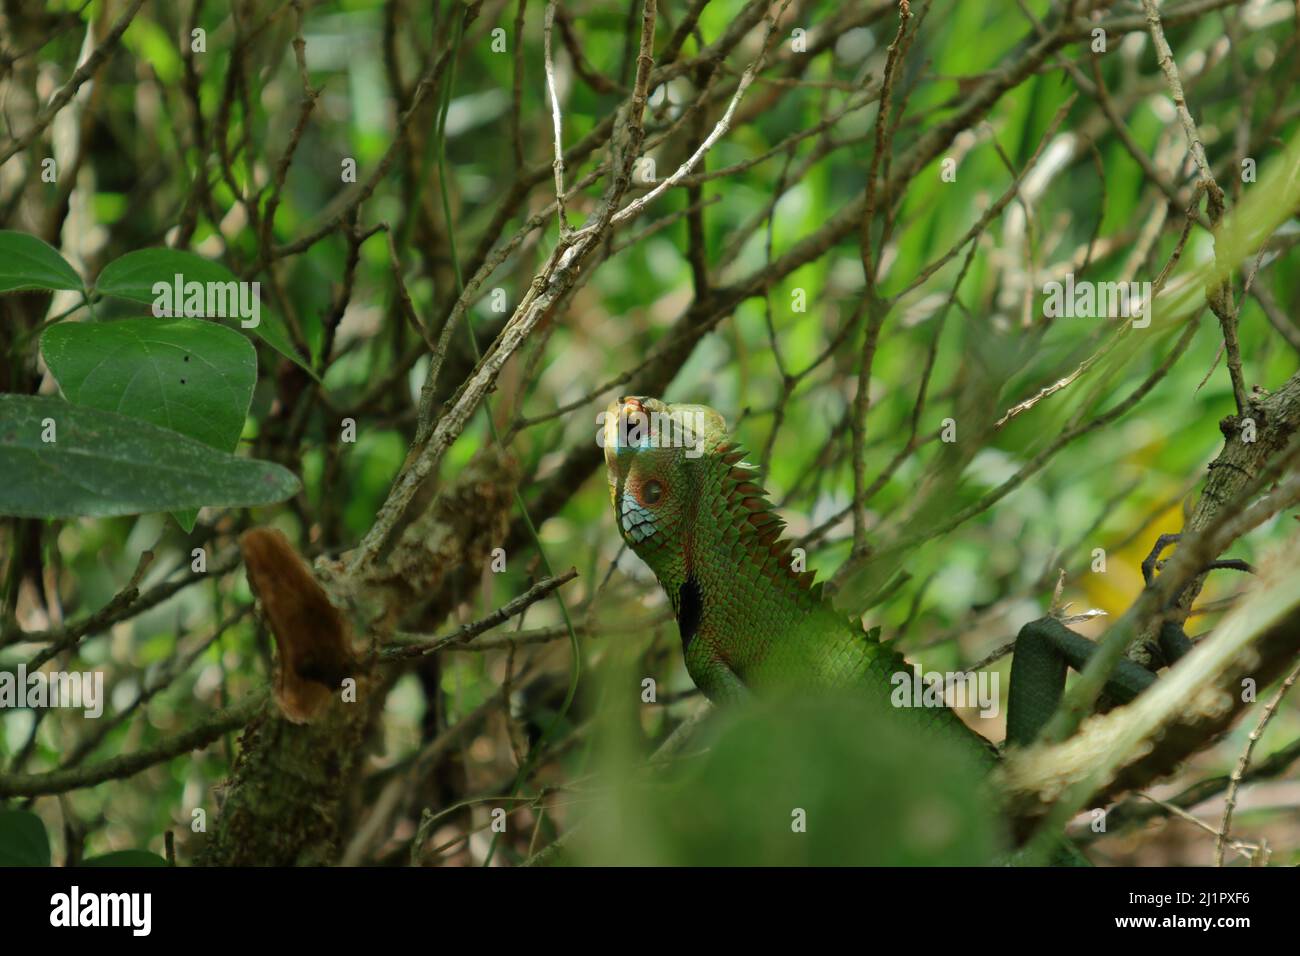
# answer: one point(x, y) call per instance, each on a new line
point(172, 147)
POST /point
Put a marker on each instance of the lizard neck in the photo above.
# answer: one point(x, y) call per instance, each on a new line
point(740, 590)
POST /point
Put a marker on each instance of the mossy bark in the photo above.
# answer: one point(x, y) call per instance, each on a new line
point(291, 798)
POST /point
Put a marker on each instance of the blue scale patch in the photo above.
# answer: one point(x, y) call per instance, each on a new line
point(638, 522)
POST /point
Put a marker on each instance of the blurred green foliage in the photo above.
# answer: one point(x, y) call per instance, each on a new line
point(825, 782)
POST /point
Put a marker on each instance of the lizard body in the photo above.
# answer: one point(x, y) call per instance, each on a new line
point(690, 506)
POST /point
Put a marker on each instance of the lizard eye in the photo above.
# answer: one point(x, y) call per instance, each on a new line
point(651, 491)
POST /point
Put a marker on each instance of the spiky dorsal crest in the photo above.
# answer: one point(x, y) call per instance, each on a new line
point(761, 524)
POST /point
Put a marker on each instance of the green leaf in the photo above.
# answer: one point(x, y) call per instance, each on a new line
point(101, 463)
point(134, 276)
point(186, 517)
point(30, 263)
point(126, 858)
point(22, 839)
point(187, 375)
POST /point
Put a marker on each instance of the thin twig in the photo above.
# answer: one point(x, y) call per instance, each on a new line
point(1230, 801)
point(719, 130)
point(420, 646)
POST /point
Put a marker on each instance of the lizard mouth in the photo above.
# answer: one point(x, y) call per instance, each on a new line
point(617, 414)
point(632, 403)
point(615, 432)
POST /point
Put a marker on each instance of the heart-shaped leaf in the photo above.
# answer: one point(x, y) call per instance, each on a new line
point(30, 263)
point(137, 274)
point(61, 460)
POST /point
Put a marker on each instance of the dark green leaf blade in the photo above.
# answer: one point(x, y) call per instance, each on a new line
point(102, 464)
point(27, 262)
point(134, 275)
point(23, 841)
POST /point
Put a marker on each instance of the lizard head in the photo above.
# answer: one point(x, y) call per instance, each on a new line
point(659, 459)
point(689, 506)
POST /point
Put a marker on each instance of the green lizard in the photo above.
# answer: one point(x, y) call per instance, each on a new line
point(692, 509)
